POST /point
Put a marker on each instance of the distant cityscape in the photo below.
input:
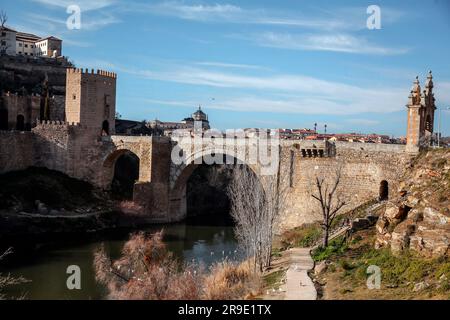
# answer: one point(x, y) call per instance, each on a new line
point(158, 127)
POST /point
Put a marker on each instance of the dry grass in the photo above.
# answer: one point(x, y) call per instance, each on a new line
point(147, 271)
point(8, 280)
point(227, 281)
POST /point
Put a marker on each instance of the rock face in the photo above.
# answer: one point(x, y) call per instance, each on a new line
point(419, 219)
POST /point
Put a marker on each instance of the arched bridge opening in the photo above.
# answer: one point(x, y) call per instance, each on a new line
point(121, 173)
point(200, 194)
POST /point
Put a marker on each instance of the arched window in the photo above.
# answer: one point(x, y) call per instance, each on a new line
point(105, 128)
point(20, 123)
point(3, 119)
point(384, 190)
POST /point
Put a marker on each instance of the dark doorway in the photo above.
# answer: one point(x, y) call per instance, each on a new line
point(384, 190)
point(105, 128)
point(126, 173)
point(20, 123)
point(3, 119)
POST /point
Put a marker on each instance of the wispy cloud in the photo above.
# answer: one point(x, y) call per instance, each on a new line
point(85, 5)
point(229, 65)
point(322, 42)
point(285, 93)
point(89, 22)
point(229, 13)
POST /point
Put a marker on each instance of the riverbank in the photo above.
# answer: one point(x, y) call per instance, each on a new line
point(38, 204)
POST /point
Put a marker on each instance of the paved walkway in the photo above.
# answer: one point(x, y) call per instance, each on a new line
point(299, 285)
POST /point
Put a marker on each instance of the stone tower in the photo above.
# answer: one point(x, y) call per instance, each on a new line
point(421, 107)
point(91, 99)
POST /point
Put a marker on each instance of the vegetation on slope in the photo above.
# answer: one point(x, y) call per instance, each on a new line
point(404, 276)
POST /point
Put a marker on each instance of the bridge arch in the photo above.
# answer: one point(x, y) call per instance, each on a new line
point(121, 166)
point(180, 177)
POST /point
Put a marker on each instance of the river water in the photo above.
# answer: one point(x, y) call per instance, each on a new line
point(47, 268)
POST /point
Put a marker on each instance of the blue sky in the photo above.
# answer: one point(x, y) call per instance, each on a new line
point(257, 63)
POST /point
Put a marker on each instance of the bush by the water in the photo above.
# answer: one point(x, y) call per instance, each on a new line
point(148, 271)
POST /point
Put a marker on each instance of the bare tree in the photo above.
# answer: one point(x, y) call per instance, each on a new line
point(329, 200)
point(3, 43)
point(3, 18)
point(256, 203)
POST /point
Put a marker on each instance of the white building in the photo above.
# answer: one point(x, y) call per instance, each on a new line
point(7, 41)
point(50, 47)
point(27, 44)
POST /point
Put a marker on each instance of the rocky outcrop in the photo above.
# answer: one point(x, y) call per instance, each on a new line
point(419, 219)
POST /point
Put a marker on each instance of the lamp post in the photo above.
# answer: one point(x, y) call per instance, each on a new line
point(439, 125)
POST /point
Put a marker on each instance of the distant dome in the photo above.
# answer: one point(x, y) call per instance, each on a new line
point(199, 115)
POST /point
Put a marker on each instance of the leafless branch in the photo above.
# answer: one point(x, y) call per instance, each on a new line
point(3, 18)
point(329, 200)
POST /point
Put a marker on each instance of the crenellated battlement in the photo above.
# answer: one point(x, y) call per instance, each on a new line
point(55, 124)
point(86, 71)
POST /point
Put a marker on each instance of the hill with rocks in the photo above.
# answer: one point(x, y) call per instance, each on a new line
point(419, 218)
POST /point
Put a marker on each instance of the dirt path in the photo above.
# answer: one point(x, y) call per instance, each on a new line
point(299, 285)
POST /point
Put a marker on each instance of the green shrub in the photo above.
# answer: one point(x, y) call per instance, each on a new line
point(304, 236)
point(335, 247)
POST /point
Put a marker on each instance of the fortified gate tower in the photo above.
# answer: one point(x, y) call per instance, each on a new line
point(421, 107)
point(91, 99)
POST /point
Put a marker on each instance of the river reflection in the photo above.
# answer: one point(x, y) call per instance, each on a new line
point(47, 269)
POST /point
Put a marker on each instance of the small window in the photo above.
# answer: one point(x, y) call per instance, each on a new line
point(26, 45)
point(20, 44)
point(3, 34)
point(3, 43)
point(74, 96)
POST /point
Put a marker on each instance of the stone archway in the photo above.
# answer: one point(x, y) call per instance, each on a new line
point(128, 161)
point(105, 128)
point(178, 190)
point(384, 190)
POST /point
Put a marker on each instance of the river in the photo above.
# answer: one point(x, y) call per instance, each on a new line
point(47, 267)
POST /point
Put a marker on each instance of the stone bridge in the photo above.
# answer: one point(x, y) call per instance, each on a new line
point(161, 187)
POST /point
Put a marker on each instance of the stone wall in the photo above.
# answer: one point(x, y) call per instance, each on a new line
point(26, 106)
point(364, 166)
point(16, 150)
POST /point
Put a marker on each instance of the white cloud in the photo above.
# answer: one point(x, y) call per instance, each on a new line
point(85, 5)
point(229, 65)
point(323, 42)
point(285, 93)
point(228, 13)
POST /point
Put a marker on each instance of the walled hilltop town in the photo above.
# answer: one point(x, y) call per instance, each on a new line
point(62, 138)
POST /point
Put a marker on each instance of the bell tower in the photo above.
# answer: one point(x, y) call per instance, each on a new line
point(421, 107)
